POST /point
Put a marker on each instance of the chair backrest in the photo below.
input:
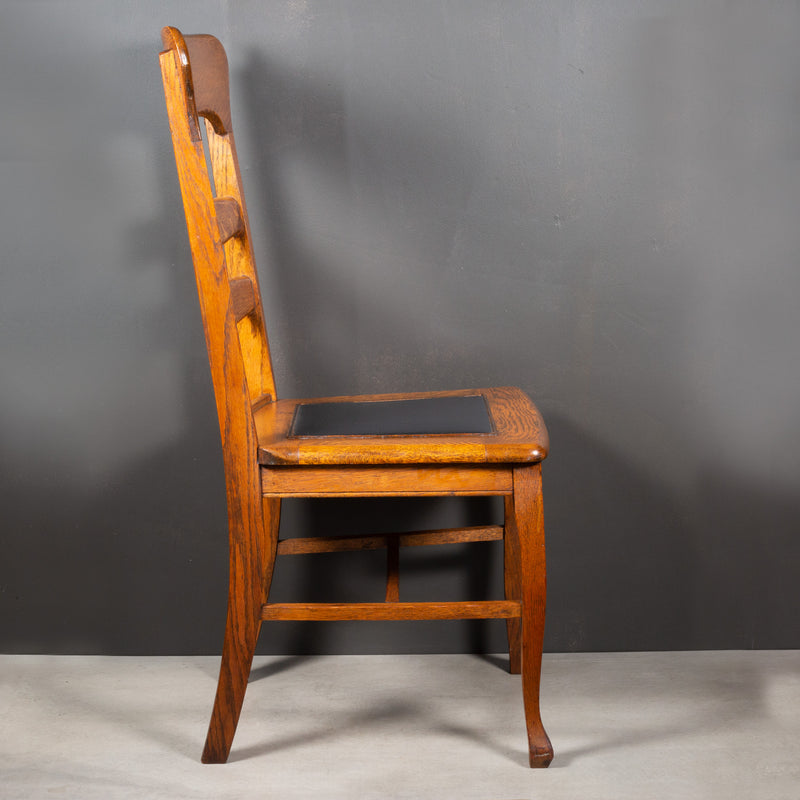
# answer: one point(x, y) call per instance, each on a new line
point(195, 74)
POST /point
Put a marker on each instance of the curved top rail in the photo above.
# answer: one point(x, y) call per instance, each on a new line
point(204, 67)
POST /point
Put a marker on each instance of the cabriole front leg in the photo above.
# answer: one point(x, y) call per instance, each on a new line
point(528, 527)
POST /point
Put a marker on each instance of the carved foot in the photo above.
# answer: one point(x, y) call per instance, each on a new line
point(541, 756)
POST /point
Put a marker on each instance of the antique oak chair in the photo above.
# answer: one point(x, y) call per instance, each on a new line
point(477, 442)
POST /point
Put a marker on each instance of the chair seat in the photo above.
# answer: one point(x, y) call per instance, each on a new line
point(468, 426)
point(418, 417)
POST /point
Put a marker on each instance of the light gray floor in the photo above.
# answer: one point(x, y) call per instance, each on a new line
point(635, 725)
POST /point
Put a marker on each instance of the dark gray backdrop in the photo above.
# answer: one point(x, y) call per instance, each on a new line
point(597, 202)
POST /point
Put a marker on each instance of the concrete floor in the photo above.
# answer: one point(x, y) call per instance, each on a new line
point(633, 725)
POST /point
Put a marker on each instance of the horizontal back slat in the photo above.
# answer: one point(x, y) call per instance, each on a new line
point(229, 217)
point(243, 297)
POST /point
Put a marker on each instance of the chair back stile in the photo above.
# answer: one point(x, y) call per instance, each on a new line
point(234, 328)
point(201, 90)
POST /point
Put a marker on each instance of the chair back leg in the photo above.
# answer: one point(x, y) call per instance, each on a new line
point(252, 561)
point(512, 588)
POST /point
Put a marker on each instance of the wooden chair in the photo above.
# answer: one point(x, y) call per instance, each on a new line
point(476, 442)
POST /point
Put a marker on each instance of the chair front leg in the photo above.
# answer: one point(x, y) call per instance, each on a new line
point(528, 530)
point(251, 568)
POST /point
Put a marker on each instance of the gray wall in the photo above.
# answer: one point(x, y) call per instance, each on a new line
point(597, 202)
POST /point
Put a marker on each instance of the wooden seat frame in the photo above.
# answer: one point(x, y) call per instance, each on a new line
point(264, 462)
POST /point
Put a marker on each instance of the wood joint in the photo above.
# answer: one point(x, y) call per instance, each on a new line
point(229, 217)
point(243, 297)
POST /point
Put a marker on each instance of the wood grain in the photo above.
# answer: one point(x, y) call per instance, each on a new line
point(264, 463)
point(252, 537)
point(243, 297)
point(340, 544)
point(380, 481)
point(519, 435)
point(528, 530)
point(240, 263)
point(393, 570)
point(229, 217)
point(513, 585)
point(377, 612)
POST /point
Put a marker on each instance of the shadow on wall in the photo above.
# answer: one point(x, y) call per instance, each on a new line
point(115, 563)
point(362, 298)
point(142, 566)
point(634, 567)
point(619, 554)
point(137, 563)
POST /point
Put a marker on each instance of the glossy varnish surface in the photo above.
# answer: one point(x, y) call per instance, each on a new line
point(519, 435)
point(264, 462)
